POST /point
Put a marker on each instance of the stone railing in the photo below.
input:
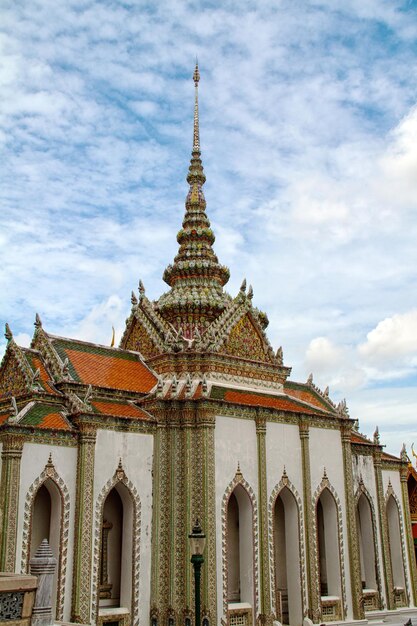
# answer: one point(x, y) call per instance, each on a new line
point(239, 614)
point(331, 609)
point(17, 597)
point(370, 600)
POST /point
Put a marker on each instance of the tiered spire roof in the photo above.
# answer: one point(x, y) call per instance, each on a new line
point(196, 278)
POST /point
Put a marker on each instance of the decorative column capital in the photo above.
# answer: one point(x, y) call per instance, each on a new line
point(260, 421)
point(87, 432)
point(12, 445)
point(346, 430)
point(304, 430)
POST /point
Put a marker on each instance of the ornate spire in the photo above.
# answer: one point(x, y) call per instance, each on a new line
point(196, 141)
point(196, 278)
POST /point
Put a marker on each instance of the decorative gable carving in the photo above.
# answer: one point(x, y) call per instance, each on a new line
point(245, 341)
point(13, 381)
point(140, 341)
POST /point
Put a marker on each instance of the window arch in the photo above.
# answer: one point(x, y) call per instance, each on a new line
point(46, 515)
point(287, 558)
point(395, 543)
point(118, 500)
point(329, 552)
point(248, 528)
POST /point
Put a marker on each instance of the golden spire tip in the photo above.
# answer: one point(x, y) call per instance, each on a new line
point(196, 75)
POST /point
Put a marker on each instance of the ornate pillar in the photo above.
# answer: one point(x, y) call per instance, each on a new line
point(314, 609)
point(83, 536)
point(9, 499)
point(265, 616)
point(204, 503)
point(408, 529)
point(353, 543)
point(161, 574)
point(383, 529)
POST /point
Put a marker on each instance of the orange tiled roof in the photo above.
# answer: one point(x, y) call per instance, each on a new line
point(42, 415)
point(3, 418)
point(305, 394)
point(120, 409)
point(359, 438)
point(282, 403)
point(105, 367)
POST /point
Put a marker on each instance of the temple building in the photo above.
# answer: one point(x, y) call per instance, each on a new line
point(112, 453)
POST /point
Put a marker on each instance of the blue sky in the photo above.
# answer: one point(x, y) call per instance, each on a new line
point(308, 130)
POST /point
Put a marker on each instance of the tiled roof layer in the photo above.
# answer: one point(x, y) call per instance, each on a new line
point(46, 416)
point(106, 367)
point(282, 403)
point(306, 394)
point(119, 409)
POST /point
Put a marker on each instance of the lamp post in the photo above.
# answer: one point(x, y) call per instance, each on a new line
point(197, 543)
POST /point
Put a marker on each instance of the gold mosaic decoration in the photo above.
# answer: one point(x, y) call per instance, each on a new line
point(140, 341)
point(12, 381)
point(245, 342)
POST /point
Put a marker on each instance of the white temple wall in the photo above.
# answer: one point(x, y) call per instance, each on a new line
point(326, 453)
point(235, 443)
point(34, 458)
point(283, 449)
point(135, 451)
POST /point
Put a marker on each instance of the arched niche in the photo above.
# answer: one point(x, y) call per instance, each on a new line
point(120, 502)
point(46, 515)
point(286, 535)
point(365, 525)
point(116, 549)
point(395, 544)
point(327, 524)
point(240, 547)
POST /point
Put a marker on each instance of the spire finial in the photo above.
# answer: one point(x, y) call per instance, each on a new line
point(196, 138)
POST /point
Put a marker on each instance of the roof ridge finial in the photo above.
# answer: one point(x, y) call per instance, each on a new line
point(196, 136)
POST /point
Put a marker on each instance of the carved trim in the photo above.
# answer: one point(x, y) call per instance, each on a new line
point(362, 490)
point(285, 482)
point(118, 477)
point(325, 484)
point(48, 473)
point(239, 480)
point(390, 492)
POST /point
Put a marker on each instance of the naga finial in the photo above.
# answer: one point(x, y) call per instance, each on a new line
point(38, 321)
point(7, 332)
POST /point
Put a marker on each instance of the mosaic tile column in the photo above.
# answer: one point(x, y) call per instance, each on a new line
point(83, 536)
point(9, 500)
point(204, 505)
point(383, 529)
point(164, 596)
point(352, 531)
point(314, 609)
point(265, 616)
point(408, 530)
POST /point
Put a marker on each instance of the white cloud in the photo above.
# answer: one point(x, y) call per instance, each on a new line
point(393, 340)
point(308, 145)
